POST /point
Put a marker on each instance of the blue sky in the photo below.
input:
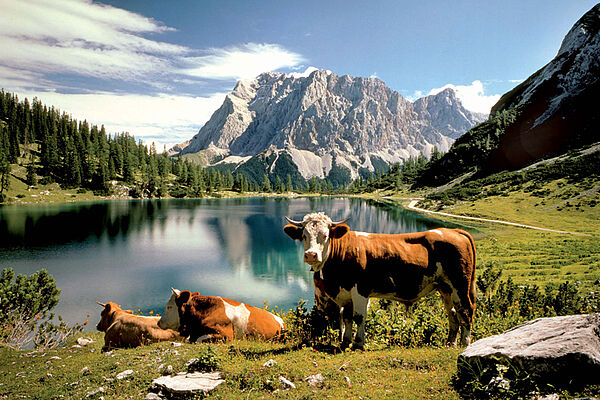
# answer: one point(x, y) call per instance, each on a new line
point(158, 69)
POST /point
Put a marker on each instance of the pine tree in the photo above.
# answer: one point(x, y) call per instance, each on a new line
point(266, 185)
point(289, 186)
point(279, 187)
point(31, 178)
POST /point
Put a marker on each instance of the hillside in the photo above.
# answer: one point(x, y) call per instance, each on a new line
point(550, 113)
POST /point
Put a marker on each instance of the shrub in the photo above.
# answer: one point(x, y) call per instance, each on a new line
point(25, 317)
point(501, 305)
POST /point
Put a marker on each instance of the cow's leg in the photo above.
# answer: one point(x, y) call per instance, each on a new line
point(453, 323)
point(465, 317)
point(360, 305)
point(346, 324)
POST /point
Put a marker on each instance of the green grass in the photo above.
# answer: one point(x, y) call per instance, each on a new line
point(381, 374)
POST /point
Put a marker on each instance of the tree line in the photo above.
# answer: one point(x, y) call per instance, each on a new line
point(55, 147)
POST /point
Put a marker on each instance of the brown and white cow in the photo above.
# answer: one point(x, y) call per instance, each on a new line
point(123, 329)
point(350, 267)
point(210, 318)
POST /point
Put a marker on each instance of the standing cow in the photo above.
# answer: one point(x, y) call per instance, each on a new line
point(350, 267)
point(211, 318)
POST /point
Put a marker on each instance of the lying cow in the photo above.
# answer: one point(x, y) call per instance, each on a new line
point(350, 267)
point(123, 329)
point(208, 318)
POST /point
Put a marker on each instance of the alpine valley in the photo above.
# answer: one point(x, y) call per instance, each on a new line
point(325, 126)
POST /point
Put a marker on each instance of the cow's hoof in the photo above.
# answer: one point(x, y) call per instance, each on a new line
point(358, 346)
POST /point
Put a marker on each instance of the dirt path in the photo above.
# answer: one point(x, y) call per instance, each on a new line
point(411, 206)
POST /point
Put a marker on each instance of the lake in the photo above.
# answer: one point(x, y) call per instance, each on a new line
point(132, 252)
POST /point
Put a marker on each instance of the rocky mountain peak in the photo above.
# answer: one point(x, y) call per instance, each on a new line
point(324, 119)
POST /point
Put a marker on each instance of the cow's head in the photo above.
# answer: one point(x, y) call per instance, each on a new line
point(315, 231)
point(108, 314)
point(170, 318)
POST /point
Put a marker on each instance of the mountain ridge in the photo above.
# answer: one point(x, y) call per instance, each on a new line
point(324, 121)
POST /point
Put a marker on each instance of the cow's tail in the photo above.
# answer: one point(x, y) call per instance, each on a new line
point(473, 285)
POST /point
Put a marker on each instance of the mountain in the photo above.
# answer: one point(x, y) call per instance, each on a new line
point(553, 111)
point(447, 114)
point(558, 103)
point(324, 124)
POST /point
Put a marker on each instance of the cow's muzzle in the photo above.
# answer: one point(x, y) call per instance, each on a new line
point(311, 257)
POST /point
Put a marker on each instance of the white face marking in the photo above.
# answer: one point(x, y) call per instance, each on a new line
point(238, 315)
point(170, 318)
point(365, 234)
point(315, 237)
point(436, 231)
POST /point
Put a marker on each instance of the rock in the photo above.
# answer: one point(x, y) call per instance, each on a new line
point(125, 374)
point(76, 346)
point(286, 384)
point(84, 341)
point(85, 371)
point(168, 370)
point(559, 350)
point(54, 358)
point(152, 396)
point(311, 120)
point(270, 363)
point(94, 392)
point(176, 344)
point(315, 380)
point(185, 384)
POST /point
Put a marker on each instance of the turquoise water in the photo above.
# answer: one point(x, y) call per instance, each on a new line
point(133, 252)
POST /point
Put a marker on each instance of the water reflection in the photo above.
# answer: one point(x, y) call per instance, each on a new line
point(133, 252)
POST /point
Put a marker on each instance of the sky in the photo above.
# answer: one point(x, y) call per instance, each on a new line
point(159, 69)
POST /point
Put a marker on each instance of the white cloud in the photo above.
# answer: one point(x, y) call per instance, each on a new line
point(164, 119)
point(472, 96)
point(44, 41)
point(241, 62)
point(78, 36)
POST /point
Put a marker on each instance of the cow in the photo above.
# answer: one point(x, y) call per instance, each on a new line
point(211, 318)
point(122, 329)
point(351, 267)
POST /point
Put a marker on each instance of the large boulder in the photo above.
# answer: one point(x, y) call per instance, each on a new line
point(184, 385)
point(562, 351)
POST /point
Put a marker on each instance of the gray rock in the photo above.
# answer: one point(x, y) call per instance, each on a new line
point(125, 374)
point(152, 396)
point(286, 383)
point(94, 392)
point(559, 350)
point(84, 341)
point(315, 380)
point(270, 363)
point(184, 384)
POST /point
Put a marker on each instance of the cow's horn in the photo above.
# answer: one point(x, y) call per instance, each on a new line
point(291, 221)
point(101, 304)
point(340, 222)
point(175, 291)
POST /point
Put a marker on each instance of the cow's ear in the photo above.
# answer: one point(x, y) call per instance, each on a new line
point(293, 231)
point(338, 231)
point(128, 311)
point(183, 297)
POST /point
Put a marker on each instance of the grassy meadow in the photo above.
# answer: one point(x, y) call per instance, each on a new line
point(391, 367)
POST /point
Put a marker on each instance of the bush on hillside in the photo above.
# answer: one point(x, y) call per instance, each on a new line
point(25, 305)
point(501, 305)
